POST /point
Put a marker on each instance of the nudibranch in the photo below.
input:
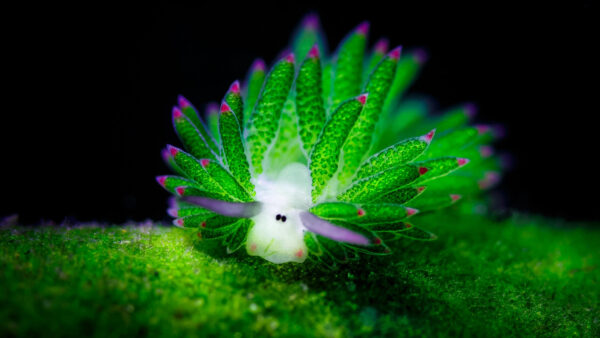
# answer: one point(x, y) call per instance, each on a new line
point(322, 157)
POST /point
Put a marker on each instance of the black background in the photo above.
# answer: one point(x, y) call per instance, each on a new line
point(88, 109)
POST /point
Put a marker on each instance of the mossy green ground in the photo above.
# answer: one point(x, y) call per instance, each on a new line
point(519, 276)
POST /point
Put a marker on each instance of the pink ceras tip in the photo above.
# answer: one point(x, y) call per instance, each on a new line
point(172, 150)
point(183, 102)
point(177, 113)
point(204, 162)
point(161, 180)
point(462, 161)
point(423, 170)
point(363, 28)
point(235, 87)
point(178, 222)
point(360, 212)
point(395, 53)
point(411, 211)
point(421, 189)
point(362, 98)
point(429, 136)
point(180, 191)
point(314, 51)
point(225, 107)
point(311, 21)
point(259, 65)
point(382, 46)
point(290, 58)
point(455, 197)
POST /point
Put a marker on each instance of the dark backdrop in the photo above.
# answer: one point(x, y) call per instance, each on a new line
point(88, 109)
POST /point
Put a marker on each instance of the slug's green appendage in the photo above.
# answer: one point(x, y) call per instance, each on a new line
point(324, 161)
point(348, 65)
point(265, 117)
point(234, 154)
point(361, 136)
point(309, 100)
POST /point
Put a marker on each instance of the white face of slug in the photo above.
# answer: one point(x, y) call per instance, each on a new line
point(281, 239)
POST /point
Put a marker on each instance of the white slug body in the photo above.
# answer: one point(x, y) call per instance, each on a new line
point(280, 239)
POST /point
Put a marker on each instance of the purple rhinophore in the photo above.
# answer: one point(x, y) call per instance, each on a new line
point(322, 227)
point(311, 21)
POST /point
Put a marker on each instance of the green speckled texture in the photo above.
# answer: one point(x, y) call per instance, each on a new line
point(359, 140)
point(192, 114)
point(254, 83)
point(437, 168)
point(523, 275)
point(334, 210)
point(371, 213)
point(326, 153)
point(191, 138)
point(286, 148)
point(265, 117)
point(309, 102)
point(372, 187)
point(191, 191)
point(172, 182)
point(227, 182)
point(398, 154)
point(347, 69)
point(399, 196)
point(189, 211)
point(234, 154)
point(208, 221)
point(194, 170)
point(236, 103)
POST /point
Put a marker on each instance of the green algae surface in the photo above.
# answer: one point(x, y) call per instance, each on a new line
point(523, 276)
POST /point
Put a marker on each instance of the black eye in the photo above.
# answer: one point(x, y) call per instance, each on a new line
point(283, 218)
point(278, 217)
